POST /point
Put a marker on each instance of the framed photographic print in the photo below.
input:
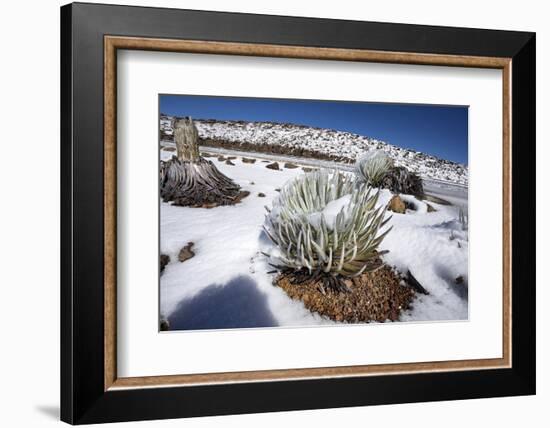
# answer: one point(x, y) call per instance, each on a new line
point(265, 213)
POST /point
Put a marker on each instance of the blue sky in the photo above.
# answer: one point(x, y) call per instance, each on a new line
point(441, 131)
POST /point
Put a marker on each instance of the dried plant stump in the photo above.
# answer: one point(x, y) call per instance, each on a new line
point(189, 179)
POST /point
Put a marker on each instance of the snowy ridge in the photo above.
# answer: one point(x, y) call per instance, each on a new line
point(322, 143)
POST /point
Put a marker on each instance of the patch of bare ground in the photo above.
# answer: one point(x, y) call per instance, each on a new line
point(373, 296)
point(271, 149)
point(209, 202)
point(186, 252)
point(164, 260)
point(274, 166)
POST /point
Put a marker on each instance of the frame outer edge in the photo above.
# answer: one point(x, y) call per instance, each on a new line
point(524, 216)
point(66, 226)
point(306, 31)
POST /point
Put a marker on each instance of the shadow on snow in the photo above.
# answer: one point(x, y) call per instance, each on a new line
point(461, 290)
point(237, 304)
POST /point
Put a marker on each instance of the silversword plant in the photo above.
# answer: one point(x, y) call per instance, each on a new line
point(326, 222)
point(373, 166)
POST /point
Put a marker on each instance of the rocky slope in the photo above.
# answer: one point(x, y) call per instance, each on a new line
point(286, 138)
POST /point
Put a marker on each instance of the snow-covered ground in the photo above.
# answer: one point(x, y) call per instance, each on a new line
point(455, 194)
point(339, 145)
point(227, 283)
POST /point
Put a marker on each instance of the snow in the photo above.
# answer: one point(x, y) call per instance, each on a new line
point(228, 254)
point(434, 248)
point(331, 210)
point(456, 194)
point(228, 283)
point(420, 207)
point(375, 154)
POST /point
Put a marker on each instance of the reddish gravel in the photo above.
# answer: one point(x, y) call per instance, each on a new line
point(376, 296)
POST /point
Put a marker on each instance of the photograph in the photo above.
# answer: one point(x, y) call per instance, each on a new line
point(295, 213)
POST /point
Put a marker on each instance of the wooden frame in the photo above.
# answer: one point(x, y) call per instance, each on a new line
point(513, 53)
